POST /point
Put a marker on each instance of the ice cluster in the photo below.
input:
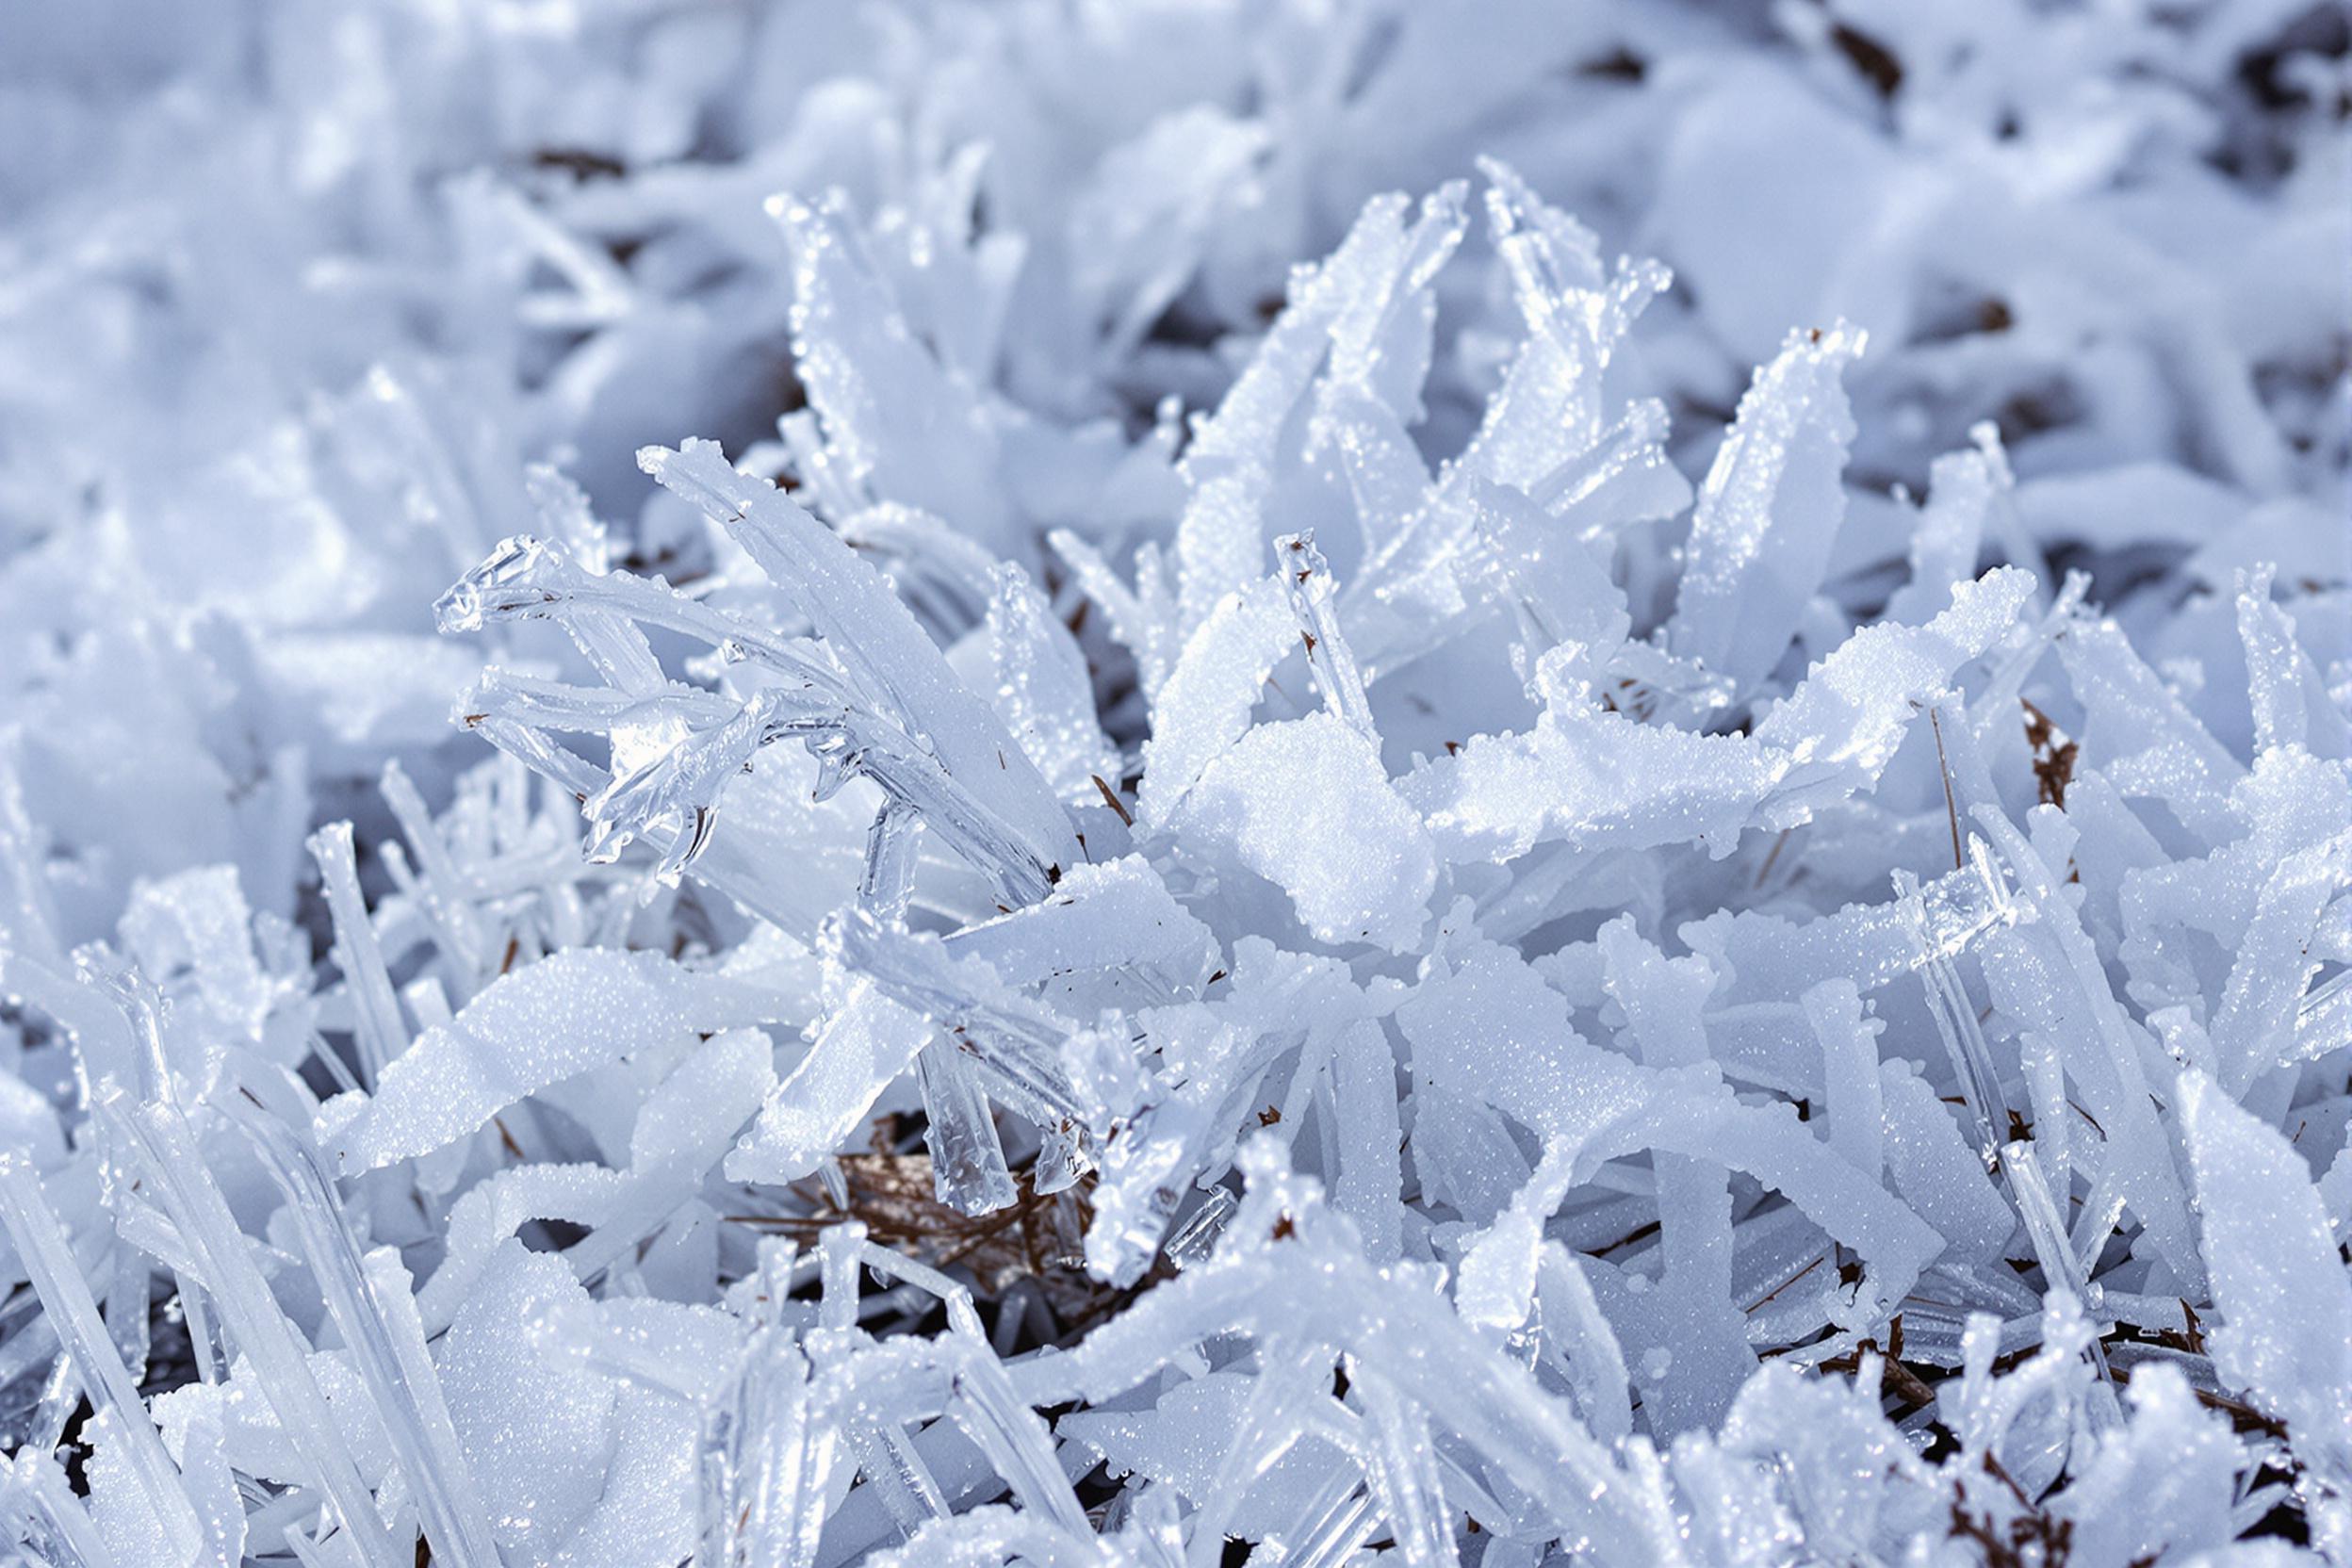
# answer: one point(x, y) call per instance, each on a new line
point(1163, 783)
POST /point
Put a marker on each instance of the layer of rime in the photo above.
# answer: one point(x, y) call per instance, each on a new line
point(1317, 782)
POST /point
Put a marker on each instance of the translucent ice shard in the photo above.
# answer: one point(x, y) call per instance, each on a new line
point(2278, 1278)
point(686, 1124)
point(159, 1139)
point(1112, 916)
point(1192, 1426)
point(1306, 577)
point(895, 420)
point(1337, 307)
point(1205, 705)
point(540, 1438)
point(1363, 1102)
point(968, 1165)
point(2137, 732)
point(867, 1040)
point(1548, 430)
point(1559, 591)
point(1840, 727)
point(40, 1509)
point(1959, 1027)
point(1769, 510)
point(2165, 1484)
point(1704, 1333)
point(1596, 778)
point(199, 922)
point(1307, 805)
point(2050, 970)
point(381, 1034)
point(563, 1015)
point(2038, 1207)
point(43, 1254)
point(1042, 689)
point(1850, 1071)
point(2255, 1025)
point(870, 631)
point(387, 1344)
point(1572, 779)
point(1015, 1039)
point(1938, 1172)
point(2290, 701)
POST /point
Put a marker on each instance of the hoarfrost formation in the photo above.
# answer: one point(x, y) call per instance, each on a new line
point(1306, 781)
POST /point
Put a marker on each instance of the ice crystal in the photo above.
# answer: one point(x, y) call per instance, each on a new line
point(1332, 782)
